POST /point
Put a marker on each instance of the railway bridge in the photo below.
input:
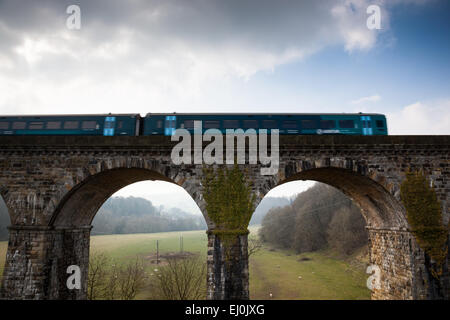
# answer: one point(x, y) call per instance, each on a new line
point(54, 185)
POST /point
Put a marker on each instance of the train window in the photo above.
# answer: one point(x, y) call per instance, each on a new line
point(289, 124)
point(170, 123)
point(250, 124)
point(380, 124)
point(367, 124)
point(189, 124)
point(19, 125)
point(89, 125)
point(346, 124)
point(71, 125)
point(270, 124)
point(54, 125)
point(159, 124)
point(35, 125)
point(4, 125)
point(327, 124)
point(120, 125)
point(309, 124)
point(231, 124)
point(211, 124)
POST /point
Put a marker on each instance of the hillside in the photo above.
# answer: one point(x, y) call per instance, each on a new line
point(319, 218)
point(265, 206)
point(120, 215)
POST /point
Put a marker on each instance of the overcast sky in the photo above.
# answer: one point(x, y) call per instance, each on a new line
point(229, 56)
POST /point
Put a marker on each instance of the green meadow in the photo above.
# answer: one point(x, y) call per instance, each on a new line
point(284, 274)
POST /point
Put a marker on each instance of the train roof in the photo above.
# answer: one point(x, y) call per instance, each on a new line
point(68, 115)
point(263, 114)
point(187, 114)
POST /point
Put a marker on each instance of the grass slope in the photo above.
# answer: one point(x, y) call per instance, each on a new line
point(3, 248)
point(321, 277)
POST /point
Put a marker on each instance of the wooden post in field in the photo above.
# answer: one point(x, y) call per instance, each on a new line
point(157, 251)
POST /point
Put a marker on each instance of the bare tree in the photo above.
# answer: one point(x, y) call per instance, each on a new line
point(131, 279)
point(346, 231)
point(181, 279)
point(98, 275)
point(112, 281)
point(254, 245)
point(110, 290)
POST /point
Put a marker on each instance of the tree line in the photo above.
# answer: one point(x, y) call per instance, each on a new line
point(120, 215)
point(319, 218)
point(137, 215)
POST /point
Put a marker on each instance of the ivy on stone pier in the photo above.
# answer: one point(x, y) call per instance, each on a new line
point(424, 215)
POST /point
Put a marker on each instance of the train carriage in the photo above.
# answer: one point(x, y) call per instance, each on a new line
point(166, 124)
point(305, 124)
point(95, 124)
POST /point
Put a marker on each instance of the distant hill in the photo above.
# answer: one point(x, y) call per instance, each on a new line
point(265, 205)
point(129, 215)
point(120, 215)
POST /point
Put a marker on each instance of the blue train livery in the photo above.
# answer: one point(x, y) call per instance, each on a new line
point(303, 124)
point(98, 125)
point(166, 124)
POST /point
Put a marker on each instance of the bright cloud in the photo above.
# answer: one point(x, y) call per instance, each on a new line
point(421, 118)
point(290, 189)
point(166, 194)
point(373, 98)
point(159, 56)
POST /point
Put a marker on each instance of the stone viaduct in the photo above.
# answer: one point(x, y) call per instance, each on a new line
point(54, 185)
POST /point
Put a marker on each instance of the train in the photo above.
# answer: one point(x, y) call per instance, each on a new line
point(165, 124)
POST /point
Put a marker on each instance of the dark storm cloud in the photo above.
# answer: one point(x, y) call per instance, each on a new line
point(159, 30)
point(267, 24)
point(263, 24)
point(158, 48)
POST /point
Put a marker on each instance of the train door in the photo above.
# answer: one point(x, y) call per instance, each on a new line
point(170, 125)
point(109, 126)
point(366, 125)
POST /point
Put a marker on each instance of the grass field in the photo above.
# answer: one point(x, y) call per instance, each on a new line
point(322, 276)
point(3, 247)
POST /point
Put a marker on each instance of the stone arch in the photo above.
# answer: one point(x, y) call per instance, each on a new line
point(80, 198)
point(390, 242)
point(70, 223)
point(378, 200)
point(16, 204)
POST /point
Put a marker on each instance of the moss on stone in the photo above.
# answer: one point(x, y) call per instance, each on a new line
point(424, 215)
point(230, 203)
point(229, 199)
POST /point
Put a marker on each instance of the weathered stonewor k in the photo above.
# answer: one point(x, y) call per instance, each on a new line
point(53, 187)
